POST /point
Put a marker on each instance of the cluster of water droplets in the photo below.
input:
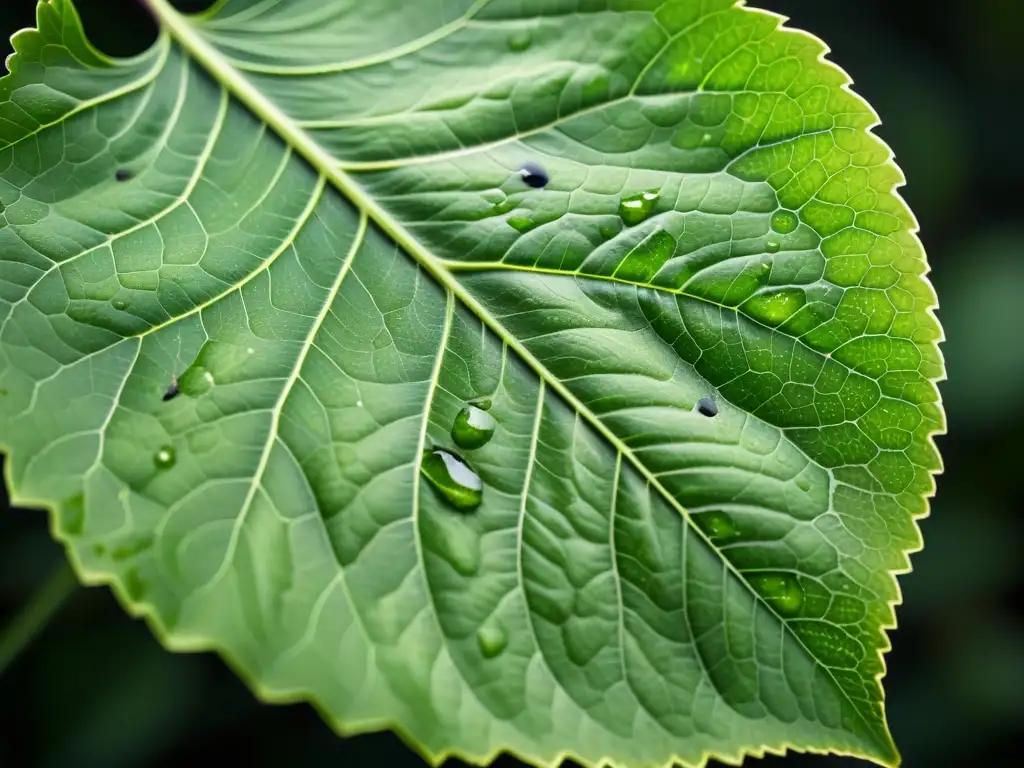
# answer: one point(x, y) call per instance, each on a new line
point(450, 474)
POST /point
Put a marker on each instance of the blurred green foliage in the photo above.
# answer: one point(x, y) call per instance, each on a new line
point(95, 688)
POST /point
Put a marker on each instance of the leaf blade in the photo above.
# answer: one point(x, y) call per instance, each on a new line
point(483, 301)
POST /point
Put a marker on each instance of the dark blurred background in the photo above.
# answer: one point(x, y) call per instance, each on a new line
point(96, 689)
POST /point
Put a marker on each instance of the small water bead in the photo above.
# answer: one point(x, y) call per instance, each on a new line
point(492, 640)
point(803, 484)
point(772, 245)
point(473, 428)
point(781, 591)
point(452, 478)
point(634, 209)
point(784, 222)
point(519, 41)
point(165, 458)
point(718, 525)
point(119, 304)
point(707, 406)
point(534, 176)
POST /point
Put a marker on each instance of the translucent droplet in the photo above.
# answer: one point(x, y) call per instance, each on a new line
point(123, 174)
point(784, 222)
point(637, 208)
point(119, 304)
point(519, 41)
point(165, 457)
point(196, 381)
point(780, 590)
point(803, 484)
point(492, 639)
point(707, 406)
point(718, 525)
point(773, 245)
point(452, 478)
point(534, 176)
point(521, 223)
point(473, 427)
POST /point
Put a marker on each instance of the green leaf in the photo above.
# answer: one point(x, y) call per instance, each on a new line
point(251, 278)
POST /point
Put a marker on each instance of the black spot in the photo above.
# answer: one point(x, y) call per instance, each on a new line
point(172, 391)
point(123, 174)
point(534, 175)
point(706, 406)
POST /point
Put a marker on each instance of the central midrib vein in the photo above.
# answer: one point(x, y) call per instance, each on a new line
point(174, 24)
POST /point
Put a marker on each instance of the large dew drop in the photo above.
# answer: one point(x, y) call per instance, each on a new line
point(473, 428)
point(492, 639)
point(165, 457)
point(452, 478)
point(784, 222)
point(637, 208)
point(781, 591)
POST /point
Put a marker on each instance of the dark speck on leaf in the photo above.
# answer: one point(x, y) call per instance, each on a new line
point(172, 391)
point(534, 175)
point(706, 406)
point(123, 174)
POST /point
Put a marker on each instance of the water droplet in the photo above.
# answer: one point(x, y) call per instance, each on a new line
point(773, 245)
point(453, 478)
point(123, 174)
point(784, 222)
point(250, 351)
point(780, 590)
point(492, 639)
point(718, 525)
point(521, 223)
point(707, 406)
point(534, 176)
point(165, 457)
point(473, 427)
point(196, 381)
point(706, 138)
point(173, 390)
point(359, 403)
point(519, 41)
point(120, 304)
point(637, 208)
point(803, 484)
